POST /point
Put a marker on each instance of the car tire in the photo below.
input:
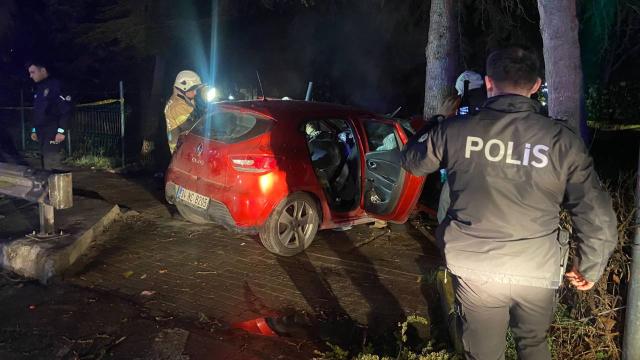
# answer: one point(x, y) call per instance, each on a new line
point(190, 215)
point(292, 225)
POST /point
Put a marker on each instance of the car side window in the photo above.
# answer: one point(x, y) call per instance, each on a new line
point(381, 136)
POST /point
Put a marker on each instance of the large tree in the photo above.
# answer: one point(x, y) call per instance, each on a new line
point(442, 53)
point(563, 69)
point(150, 30)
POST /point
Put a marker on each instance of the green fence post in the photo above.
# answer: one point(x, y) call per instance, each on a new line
point(24, 135)
point(122, 122)
point(68, 138)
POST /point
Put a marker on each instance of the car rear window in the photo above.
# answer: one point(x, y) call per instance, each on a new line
point(230, 126)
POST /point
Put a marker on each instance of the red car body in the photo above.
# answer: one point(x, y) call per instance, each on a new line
point(249, 168)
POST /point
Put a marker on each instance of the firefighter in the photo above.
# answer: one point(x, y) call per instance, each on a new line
point(180, 105)
point(470, 88)
point(471, 96)
point(52, 111)
point(510, 170)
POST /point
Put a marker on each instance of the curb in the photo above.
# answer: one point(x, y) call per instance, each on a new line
point(43, 259)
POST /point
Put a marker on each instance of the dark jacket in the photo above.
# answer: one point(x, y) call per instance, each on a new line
point(52, 107)
point(510, 170)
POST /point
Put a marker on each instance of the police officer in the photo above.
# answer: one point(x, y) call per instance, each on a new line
point(52, 110)
point(181, 104)
point(510, 171)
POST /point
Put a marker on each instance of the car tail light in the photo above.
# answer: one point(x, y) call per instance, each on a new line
point(254, 163)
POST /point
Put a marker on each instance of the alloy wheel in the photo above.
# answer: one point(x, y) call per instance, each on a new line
point(294, 226)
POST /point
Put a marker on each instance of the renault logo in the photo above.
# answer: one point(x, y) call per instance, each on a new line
point(199, 149)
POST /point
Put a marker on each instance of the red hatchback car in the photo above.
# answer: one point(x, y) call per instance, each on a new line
point(284, 169)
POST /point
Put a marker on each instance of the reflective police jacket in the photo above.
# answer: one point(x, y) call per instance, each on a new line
point(52, 108)
point(510, 170)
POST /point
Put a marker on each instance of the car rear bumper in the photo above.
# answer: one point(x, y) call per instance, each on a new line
point(217, 212)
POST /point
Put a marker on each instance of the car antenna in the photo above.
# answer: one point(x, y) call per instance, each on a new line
point(393, 114)
point(260, 84)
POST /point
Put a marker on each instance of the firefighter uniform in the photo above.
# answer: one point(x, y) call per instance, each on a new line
point(181, 104)
point(176, 112)
point(510, 170)
point(52, 111)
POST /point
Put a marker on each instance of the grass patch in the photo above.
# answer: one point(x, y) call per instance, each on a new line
point(410, 344)
point(589, 325)
point(98, 162)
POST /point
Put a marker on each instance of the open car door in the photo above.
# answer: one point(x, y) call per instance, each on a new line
point(390, 193)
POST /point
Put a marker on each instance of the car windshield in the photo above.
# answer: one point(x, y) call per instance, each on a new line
point(230, 126)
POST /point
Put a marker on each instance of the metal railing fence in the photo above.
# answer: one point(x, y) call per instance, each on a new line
point(96, 128)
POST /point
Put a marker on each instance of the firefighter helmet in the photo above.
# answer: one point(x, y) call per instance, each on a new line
point(187, 80)
point(475, 81)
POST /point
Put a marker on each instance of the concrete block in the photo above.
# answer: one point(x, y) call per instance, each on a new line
point(42, 259)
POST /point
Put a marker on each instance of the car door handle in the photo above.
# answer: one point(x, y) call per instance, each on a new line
point(371, 164)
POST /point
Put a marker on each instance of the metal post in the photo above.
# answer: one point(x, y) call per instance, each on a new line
point(24, 135)
point(68, 138)
point(631, 341)
point(122, 121)
point(47, 226)
point(309, 88)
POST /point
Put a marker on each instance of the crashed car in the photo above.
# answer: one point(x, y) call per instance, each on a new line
point(285, 169)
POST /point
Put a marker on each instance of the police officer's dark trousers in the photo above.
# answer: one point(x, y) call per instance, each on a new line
point(487, 309)
point(50, 152)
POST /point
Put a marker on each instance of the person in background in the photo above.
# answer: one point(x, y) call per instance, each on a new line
point(471, 95)
point(52, 111)
point(180, 105)
point(511, 169)
point(470, 89)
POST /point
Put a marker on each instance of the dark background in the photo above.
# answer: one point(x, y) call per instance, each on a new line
point(368, 53)
point(364, 53)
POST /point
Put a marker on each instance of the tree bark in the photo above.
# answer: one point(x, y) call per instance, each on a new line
point(153, 125)
point(563, 69)
point(442, 54)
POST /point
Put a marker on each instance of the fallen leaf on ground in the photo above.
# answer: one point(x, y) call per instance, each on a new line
point(147, 293)
point(127, 274)
point(143, 276)
point(162, 271)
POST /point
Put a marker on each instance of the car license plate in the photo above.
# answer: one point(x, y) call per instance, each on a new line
point(194, 199)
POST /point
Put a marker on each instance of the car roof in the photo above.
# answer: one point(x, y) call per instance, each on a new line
point(294, 110)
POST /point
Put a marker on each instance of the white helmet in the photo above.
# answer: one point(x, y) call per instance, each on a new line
point(186, 80)
point(475, 81)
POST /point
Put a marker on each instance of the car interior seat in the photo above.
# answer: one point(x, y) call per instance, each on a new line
point(329, 162)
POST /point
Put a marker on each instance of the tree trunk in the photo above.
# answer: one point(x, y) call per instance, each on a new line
point(153, 125)
point(563, 70)
point(442, 54)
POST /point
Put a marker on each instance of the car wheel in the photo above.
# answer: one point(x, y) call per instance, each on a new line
point(292, 225)
point(190, 215)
